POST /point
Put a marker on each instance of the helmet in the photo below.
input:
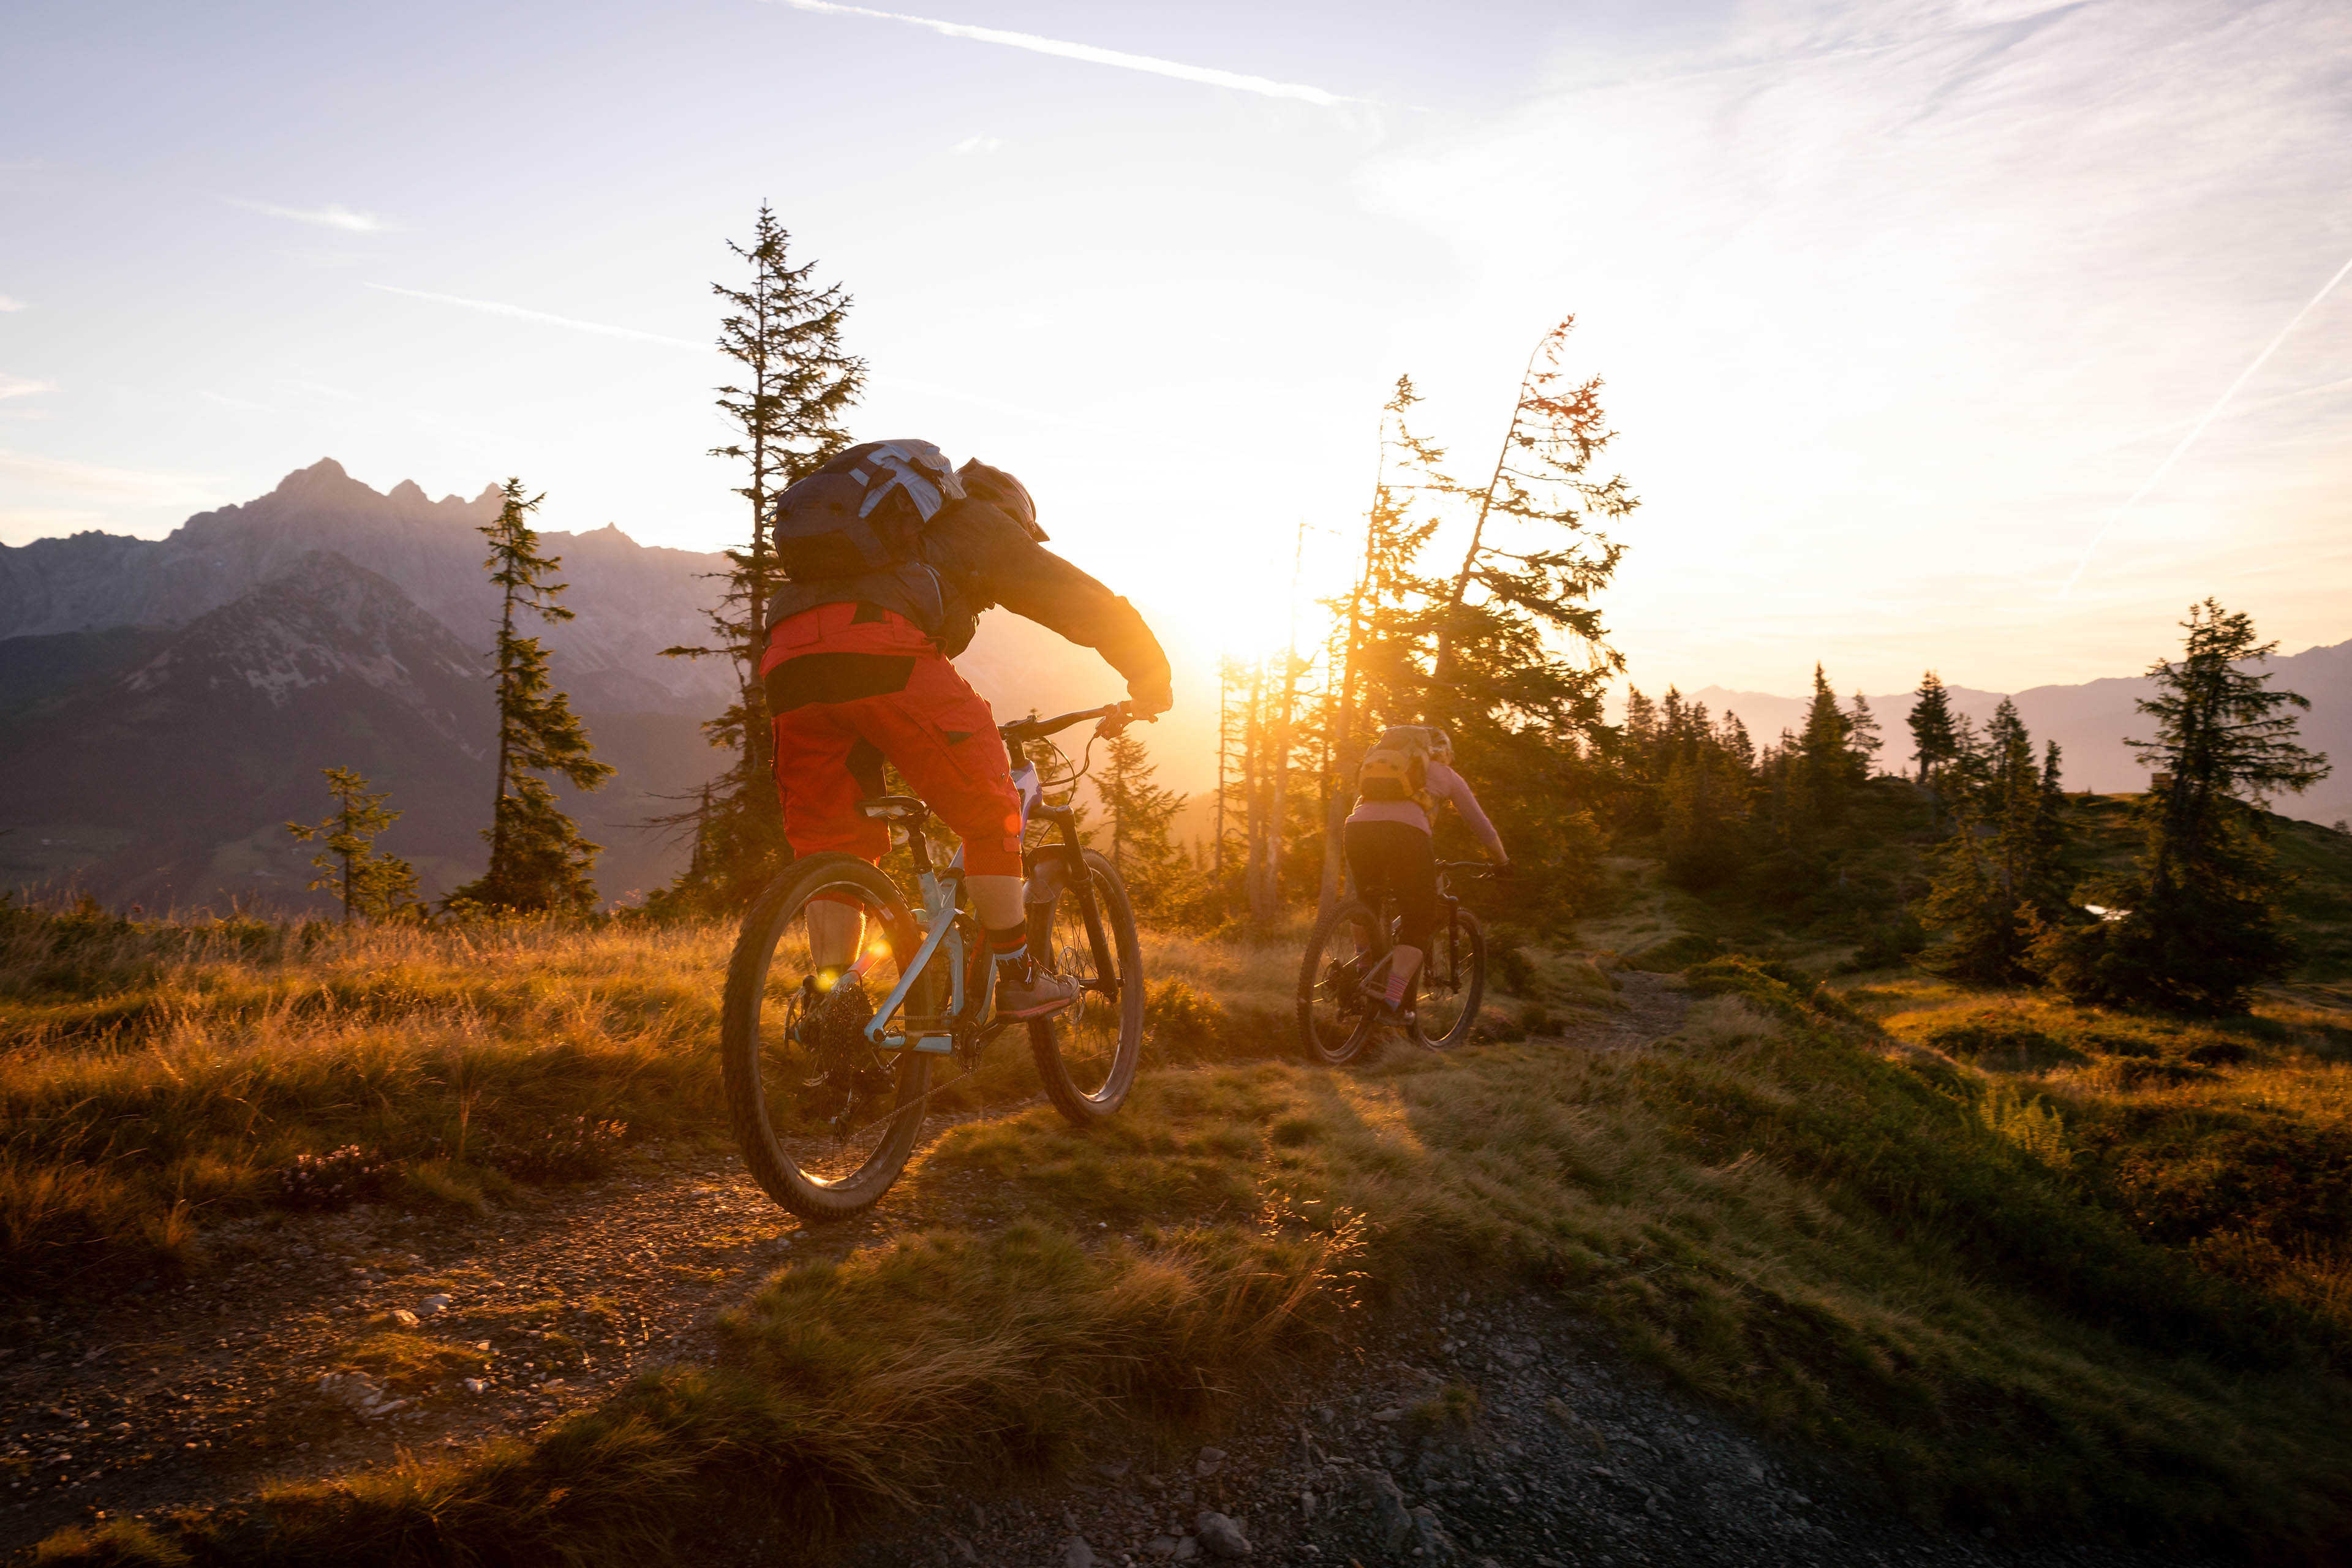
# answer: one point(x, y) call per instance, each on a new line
point(1003, 491)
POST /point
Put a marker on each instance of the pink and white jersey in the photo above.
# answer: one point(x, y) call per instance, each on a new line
point(1444, 785)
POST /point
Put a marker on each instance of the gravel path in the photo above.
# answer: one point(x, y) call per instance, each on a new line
point(204, 1393)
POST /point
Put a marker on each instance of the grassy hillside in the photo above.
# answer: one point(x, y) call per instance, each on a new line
point(2036, 1267)
point(1844, 904)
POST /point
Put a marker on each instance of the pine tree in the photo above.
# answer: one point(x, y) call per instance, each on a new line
point(1140, 815)
point(1997, 877)
point(372, 885)
point(784, 330)
point(1827, 769)
point(1862, 736)
point(2197, 924)
point(1933, 738)
point(538, 860)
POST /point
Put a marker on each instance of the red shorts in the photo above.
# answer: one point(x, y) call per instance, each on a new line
point(851, 686)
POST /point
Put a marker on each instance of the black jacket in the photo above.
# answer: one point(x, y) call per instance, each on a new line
point(974, 557)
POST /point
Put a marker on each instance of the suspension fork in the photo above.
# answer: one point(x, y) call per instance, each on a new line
point(1074, 851)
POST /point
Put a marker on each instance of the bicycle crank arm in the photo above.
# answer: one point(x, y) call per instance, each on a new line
point(933, 1045)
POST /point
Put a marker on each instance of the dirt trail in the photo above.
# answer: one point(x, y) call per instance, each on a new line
point(206, 1393)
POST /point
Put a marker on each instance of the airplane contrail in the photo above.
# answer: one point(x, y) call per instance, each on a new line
point(2198, 430)
point(1089, 53)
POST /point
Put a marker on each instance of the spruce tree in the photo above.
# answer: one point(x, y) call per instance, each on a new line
point(538, 862)
point(371, 885)
point(2196, 925)
point(1997, 877)
point(1933, 740)
point(1862, 736)
point(1141, 815)
point(783, 330)
point(1827, 766)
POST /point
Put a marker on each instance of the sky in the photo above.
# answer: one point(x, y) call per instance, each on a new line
point(1977, 335)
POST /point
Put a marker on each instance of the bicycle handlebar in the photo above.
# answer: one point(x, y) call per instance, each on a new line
point(1114, 717)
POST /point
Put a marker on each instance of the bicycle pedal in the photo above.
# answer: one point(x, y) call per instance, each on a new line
point(934, 1045)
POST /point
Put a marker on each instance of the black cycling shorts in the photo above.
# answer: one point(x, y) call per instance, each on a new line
point(1400, 860)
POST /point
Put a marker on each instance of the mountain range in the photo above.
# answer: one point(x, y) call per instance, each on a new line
point(2092, 721)
point(167, 705)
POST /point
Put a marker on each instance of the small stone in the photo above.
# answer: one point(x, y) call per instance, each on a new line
point(1390, 1414)
point(963, 1547)
point(1077, 1554)
point(1386, 1499)
point(1186, 1549)
point(404, 1317)
point(475, 1385)
point(1220, 1535)
point(1210, 1462)
point(1160, 1546)
point(433, 1306)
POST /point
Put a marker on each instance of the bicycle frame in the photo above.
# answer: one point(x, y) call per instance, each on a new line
point(943, 902)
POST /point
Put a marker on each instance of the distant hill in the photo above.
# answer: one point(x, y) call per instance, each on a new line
point(2089, 722)
point(165, 705)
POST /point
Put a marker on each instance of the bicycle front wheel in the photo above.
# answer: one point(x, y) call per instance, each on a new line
point(1336, 1014)
point(1452, 983)
point(1087, 1054)
point(825, 1119)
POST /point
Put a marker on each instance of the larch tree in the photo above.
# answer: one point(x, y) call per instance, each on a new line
point(2196, 925)
point(539, 861)
point(1544, 496)
point(795, 386)
point(370, 884)
point(1506, 650)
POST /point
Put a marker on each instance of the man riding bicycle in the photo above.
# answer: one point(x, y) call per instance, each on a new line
point(892, 555)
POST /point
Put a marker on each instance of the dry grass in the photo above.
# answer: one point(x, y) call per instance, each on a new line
point(133, 1114)
point(2229, 1140)
point(154, 1079)
point(1839, 1234)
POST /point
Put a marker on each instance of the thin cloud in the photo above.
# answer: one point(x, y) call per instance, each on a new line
point(521, 313)
point(7, 304)
point(333, 215)
point(17, 386)
point(931, 389)
point(978, 144)
point(91, 479)
point(1207, 76)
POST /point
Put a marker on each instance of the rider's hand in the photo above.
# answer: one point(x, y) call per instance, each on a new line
point(1148, 702)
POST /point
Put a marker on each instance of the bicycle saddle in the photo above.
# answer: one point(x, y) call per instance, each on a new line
point(894, 808)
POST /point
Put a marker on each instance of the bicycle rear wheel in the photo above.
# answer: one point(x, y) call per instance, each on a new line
point(1337, 1021)
point(825, 1119)
point(1452, 983)
point(1088, 1053)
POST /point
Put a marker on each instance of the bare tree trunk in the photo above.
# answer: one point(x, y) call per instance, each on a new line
point(1273, 894)
point(1253, 795)
point(1280, 785)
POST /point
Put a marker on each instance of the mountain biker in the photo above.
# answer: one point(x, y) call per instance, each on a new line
point(1407, 774)
point(893, 555)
